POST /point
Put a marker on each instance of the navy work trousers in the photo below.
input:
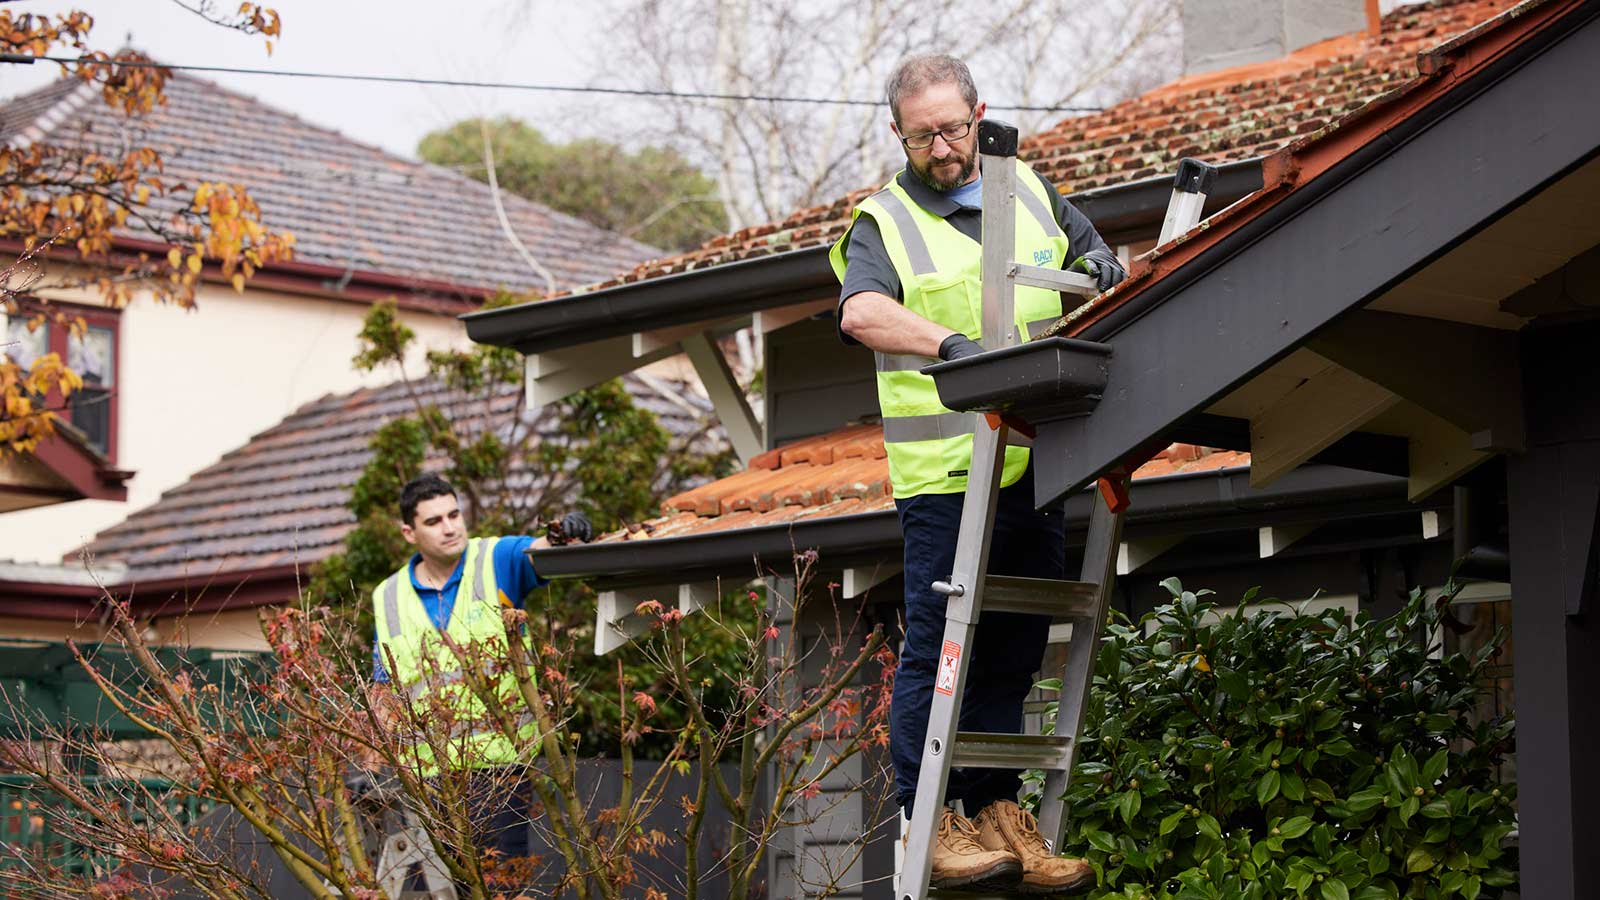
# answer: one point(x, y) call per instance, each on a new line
point(1005, 653)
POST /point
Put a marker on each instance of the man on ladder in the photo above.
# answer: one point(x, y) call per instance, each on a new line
point(909, 266)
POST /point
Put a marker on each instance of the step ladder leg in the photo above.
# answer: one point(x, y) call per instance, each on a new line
point(964, 591)
point(1099, 568)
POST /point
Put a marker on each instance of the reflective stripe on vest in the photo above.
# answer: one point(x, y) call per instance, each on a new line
point(929, 446)
point(422, 665)
point(391, 588)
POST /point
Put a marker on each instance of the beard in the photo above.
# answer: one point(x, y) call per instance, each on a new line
point(927, 174)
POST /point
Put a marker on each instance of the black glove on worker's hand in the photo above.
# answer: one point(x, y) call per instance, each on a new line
point(1101, 265)
point(574, 526)
point(958, 346)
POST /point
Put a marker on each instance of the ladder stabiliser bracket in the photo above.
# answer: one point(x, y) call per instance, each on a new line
point(996, 138)
point(1194, 176)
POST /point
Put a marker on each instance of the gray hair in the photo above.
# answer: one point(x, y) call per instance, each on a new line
point(917, 72)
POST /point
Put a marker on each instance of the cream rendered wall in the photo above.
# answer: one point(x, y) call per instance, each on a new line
point(198, 383)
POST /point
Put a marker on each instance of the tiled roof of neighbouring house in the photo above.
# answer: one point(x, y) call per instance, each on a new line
point(349, 206)
point(1234, 114)
point(281, 498)
point(841, 473)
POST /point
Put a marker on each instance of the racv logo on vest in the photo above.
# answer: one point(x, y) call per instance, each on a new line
point(1043, 257)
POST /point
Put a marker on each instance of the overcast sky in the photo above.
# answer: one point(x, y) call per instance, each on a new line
point(524, 41)
point(482, 40)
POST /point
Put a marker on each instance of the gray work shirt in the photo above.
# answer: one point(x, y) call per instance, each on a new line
point(870, 269)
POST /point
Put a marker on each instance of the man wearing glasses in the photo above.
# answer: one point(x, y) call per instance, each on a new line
point(909, 267)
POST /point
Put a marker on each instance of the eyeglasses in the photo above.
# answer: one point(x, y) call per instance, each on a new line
point(952, 134)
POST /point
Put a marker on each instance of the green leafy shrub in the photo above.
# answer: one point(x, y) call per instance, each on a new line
point(1271, 753)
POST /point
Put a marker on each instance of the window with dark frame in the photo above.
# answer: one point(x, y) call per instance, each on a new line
point(92, 354)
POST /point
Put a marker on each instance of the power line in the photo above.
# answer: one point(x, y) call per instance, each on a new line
point(513, 86)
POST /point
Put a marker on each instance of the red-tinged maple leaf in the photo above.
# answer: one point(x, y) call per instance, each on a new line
point(645, 702)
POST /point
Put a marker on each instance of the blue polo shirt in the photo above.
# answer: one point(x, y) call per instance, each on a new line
point(513, 575)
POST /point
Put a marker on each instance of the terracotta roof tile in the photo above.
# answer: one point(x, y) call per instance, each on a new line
point(349, 205)
point(841, 473)
point(1233, 114)
point(280, 499)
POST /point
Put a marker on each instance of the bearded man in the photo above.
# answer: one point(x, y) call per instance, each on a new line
point(909, 268)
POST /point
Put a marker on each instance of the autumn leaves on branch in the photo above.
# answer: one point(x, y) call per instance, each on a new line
point(101, 224)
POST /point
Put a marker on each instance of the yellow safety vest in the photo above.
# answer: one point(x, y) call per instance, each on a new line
point(930, 446)
point(422, 664)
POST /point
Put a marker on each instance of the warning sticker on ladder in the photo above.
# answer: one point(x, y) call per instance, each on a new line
point(946, 682)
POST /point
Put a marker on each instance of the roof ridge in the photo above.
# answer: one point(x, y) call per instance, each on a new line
point(50, 117)
point(419, 164)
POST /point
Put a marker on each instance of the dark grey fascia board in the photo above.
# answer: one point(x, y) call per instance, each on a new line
point(1378, 216)
point(703, 295)
point(768, 282)
point(720, 552)
point(1187, 503)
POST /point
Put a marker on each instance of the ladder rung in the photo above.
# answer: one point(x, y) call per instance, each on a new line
point(1011, 751)
point(1061, 600)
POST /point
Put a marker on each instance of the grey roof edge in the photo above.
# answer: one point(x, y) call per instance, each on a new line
point(1222, 497)
point(767, 282)
point(701, 295)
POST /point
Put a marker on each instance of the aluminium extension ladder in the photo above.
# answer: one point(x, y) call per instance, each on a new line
point(970, 591)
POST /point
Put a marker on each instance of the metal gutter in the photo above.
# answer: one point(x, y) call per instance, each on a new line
point(309, 279)
point(721, 552)
point(1223, 498)
point(702, 295)
point(767, 282)
point(183, 594)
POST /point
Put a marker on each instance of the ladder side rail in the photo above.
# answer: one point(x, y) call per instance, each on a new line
point(997, 146)
point(961, 616)
point(999, 241)
point(1099, 567)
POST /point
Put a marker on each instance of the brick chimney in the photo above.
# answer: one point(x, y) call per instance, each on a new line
point(1218, 34)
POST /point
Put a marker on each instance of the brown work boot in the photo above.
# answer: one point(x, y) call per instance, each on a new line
point(959, 861)
point(1004, 825)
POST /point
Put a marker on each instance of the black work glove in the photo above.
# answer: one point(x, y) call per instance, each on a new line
point(574, 526)
point(958, 346)
point(1101, 265)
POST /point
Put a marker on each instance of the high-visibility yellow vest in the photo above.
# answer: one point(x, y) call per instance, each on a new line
point(420, 663)
point(929, 446)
